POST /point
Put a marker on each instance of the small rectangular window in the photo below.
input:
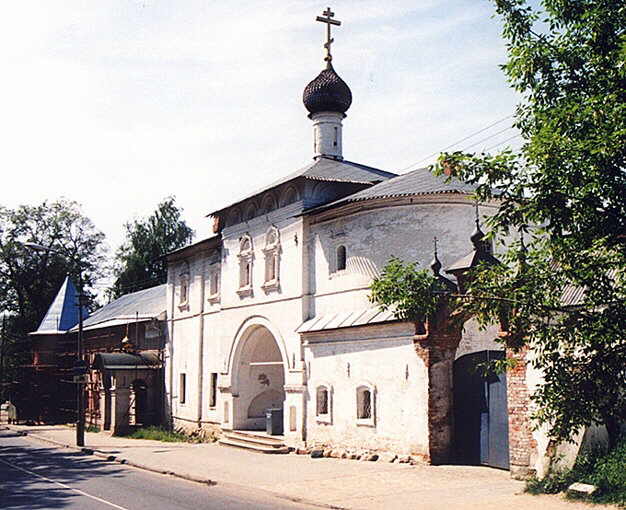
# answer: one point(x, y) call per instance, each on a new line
point(322, 401)
point(182, 390)
point(213, 392)
point(365, 409)
point(341, 258)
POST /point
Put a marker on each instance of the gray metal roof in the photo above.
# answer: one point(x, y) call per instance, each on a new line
point(326, 169)
point(361, 317)
point(417, 182)
point(144, 304)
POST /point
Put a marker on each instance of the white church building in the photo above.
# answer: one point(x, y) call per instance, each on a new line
point(273, 312)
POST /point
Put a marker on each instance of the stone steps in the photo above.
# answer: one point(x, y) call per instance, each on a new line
point(252, 441)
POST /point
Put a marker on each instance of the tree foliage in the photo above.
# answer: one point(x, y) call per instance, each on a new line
point(408, 291)
point(139, 261)
point(29, 280)
point(564, 191)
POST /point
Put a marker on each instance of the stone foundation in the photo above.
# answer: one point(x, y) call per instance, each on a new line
point(206, 432)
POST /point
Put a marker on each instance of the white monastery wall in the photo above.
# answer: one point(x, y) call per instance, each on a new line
point(184, 325)
point(382, 358)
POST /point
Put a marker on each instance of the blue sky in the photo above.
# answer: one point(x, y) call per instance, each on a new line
point(118, 104)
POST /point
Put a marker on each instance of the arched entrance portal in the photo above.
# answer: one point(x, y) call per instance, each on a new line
point(260, 379)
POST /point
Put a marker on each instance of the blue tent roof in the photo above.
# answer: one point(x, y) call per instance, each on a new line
point(63, 312)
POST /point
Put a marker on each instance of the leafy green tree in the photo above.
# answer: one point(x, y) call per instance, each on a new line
point(406, 290)
point(562, 289)
point(29, 280)
point(139, 261)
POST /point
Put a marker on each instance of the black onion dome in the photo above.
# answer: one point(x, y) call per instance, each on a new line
point(327, 93)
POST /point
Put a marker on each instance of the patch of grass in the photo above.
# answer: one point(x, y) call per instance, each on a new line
point(92, 428)
point(159, 434)
point(607, 471)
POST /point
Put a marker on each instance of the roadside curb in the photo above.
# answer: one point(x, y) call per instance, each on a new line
point(183, 476)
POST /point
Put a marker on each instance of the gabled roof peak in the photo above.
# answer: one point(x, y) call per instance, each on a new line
point(62, 315)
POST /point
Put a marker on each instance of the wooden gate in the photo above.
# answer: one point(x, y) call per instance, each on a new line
point(481, 428)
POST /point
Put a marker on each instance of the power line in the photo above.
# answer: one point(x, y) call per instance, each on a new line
point(458, 141)
point(488, 138)
point(503, 141)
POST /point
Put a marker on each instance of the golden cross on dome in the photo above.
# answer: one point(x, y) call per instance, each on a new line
point(326, 17)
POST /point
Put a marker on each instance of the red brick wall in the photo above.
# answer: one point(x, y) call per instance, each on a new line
point(521, 442)
point(436, 348)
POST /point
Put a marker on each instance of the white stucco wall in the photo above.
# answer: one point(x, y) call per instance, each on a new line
point(382, 357)
point(373, 236)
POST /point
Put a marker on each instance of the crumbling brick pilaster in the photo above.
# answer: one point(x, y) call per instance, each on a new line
point(522, 445)
point(436, 348)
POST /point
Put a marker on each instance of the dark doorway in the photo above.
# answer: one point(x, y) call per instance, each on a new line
point(481, 428)
point(141, 402)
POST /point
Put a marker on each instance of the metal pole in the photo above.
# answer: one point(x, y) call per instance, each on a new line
point(4, 318)
point(80, 388)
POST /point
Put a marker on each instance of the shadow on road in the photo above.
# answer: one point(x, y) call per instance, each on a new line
point(22, 490)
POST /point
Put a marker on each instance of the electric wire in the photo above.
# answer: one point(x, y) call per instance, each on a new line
point(457, 142)
point(503, 141)
point(485, 139)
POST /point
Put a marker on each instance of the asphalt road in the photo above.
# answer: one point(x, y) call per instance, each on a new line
point(34, 476)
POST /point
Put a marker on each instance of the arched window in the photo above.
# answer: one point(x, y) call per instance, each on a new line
point(246, 255)
point(323, 403)
point(365, 404)
point(341, 258)
point(271, 252)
